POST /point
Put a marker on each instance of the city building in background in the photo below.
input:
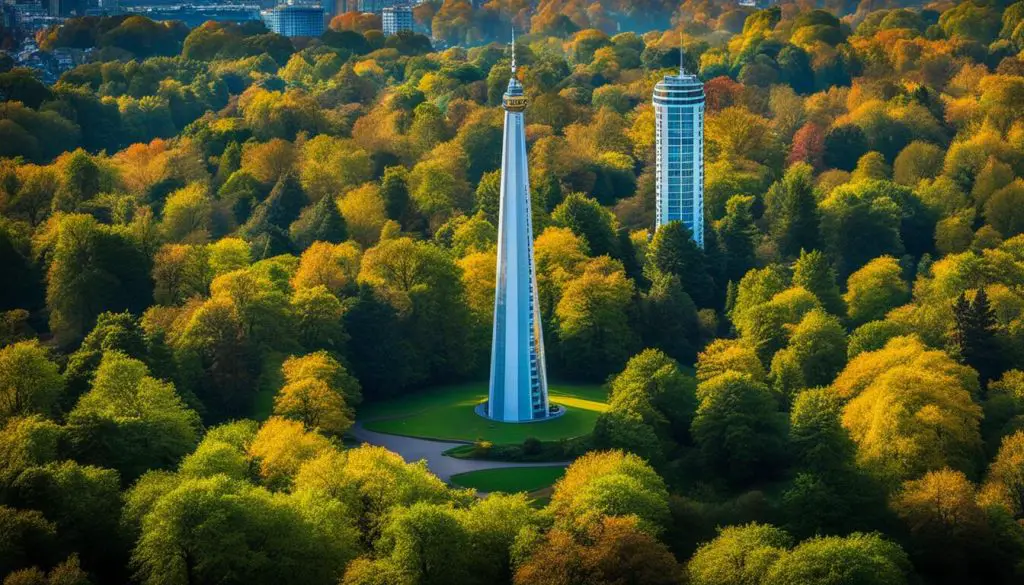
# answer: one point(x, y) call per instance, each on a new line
point(518, 390)
point(679, 122)
point(292, 20)
point(396, 18)
point(67, 8)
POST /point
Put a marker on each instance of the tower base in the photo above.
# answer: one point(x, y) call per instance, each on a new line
point(554, 411)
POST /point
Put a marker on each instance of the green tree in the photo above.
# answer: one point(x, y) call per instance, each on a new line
point(320, 222)
point(792, 211)
point(29, 381)
point(858, 559)
point(974, 335)
point(84, 503)
point(670, 319)
point(673, 251)
point(875, 289)
point(218, 529)
point(588, 220)
point(738, 427)
point(813, 272)
point(611, 483)
point(594, 333)
point(93, 269)
point(739, 555)
point(130, 421)
point(737, 233)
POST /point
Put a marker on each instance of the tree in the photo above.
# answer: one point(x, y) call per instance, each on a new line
point(92, 269)
point(365, 212)
point(612, 550)
point(320, 222)
point(818, 439)
point(268, 225)
point(739, 555)
point(426, 543)
point(79, 182)
point(650, 399)
point(947, 524)
point(673, 251)
point(918, 160)
point(857, 559)
point(875, 289)
point(370, 482)
point(318, 392)
point(594, 333)
point(29, 381)
point(217, 359)
point(816, 353)
point(857, 225)
point(187, 215)
point(219, 529)
point(737, 233)
point(738, 428)
point(670, 319)
point(1004, 485)
point(974, 335)
point(792, 211)
point(1003, 209)
point(611, 483)
point(318, 320)
point(180, 272)
point(84, 503)
point(844, 145)
point(281, 447)
point(898, 412)
point(130, 421)
point(335, 266)
point(28, 539)
point(423, 284)
point(729, 355)
point(588, 220)
point(814, 272)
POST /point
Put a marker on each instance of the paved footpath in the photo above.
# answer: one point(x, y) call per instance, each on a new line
point(412, 450)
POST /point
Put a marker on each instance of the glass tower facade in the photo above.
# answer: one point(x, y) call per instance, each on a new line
point(518, 390)
point(679, 122)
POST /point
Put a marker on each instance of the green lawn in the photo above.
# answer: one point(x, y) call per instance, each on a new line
point(447, 413)
point(509, 480)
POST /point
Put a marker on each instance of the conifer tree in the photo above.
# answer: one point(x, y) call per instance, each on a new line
point(974, 335)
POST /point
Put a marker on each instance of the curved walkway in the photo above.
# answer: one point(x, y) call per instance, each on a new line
point(412, 449)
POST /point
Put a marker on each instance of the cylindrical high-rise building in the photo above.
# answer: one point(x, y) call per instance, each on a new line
point(518, 389)
point(679, 121)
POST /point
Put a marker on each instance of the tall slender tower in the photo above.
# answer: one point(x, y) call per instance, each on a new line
point(518, 387)
point(679, 122)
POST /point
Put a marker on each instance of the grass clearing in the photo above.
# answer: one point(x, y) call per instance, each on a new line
point(509, 480)
point(446, 412)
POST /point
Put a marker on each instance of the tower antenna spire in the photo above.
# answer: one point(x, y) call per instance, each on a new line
point(513, 50)
point(682, 71)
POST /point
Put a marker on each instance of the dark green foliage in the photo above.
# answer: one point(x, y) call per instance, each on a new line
point(673, 252)
point(380, 359)
point(844, 145)
point(792, 211)
point(974, 335)
point(588, 220)
point(738, 428)
point(21, 85)
point(267, 228)
point(670, 319)
point(813, 272)
point(394, 188)
point(736, 234)
point(241, 192)
point(320, 222)
point(85, 505)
